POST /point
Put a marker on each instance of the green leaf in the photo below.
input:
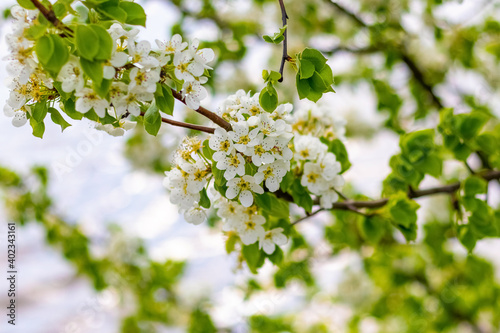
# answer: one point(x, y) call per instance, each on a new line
point(113, 11)
point(204, 200)
point(466, 237)
point(475, 185)
point(471, 124)
point(287, 181)
point(231, 242)
point(253, 256)
point(403, 212)
point(38, 128)
point(105, 42)
point(306, 69)
point(272, 205)
point(152, 120)
point(103, 88)
point(338, 149)
point(26, 4)
point(69, 109)
point(277, 38)
point(58, 119)
point(268, 98)
point(86, 42)
point(44, 49)
point(135, 13)
point(52, 53)
point(373, 228)
point(207, 152)
point(164, 99)
point(39, 112)
point(315, 57)
point(200, 322)
point(94, 69)
point(277, 256)
point(300, 196)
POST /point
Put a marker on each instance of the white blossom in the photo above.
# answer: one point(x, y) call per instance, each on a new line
point(243, 188)
point(71, 76)
point(185, 68)
point(140, 54)
point(313, 179)
point(89, 99)
point(221, 144)
point(175, 45)
point(308, 147)
point(19, 116)
point(197, 175)
point(272, 174)
point(117, 32)
point(242, 137)
point(261, 152)
point(233, 165)
point(272, 238)
point(251, 229)
point(145, 79)
point(193, 92)
point(195, 215)
point(118, 59)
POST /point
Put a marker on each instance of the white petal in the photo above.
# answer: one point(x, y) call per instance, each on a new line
point(246, 198)
point(232, 192)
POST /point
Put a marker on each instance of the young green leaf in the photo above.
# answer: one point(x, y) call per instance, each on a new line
point(152, 120)
point(58, 119)
point(135, 13)
point(86, 42)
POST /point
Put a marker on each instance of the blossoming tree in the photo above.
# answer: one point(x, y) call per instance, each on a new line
point(263, 165)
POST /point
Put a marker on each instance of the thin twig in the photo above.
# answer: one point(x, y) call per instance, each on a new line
point(207, 113)
point(417, 73)
point(172, 122)
point(50, 16)
point(285, 55)
point(372, 204)
point(308, 216)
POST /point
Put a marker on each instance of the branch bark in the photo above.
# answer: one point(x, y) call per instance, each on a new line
point(206, 113)
point(50, 16)
point(417, 73)
point(195, 127)
point(285, 55)
point(372, 204)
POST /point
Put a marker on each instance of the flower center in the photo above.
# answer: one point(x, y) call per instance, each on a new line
point(311, 178)
point(234, 161)
point(244, 185)
point(268, 172)
point(258, 150)
point(244, 140)
point(224, 145)
point(250, 225)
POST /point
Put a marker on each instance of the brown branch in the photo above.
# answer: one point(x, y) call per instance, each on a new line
point(417, 73)
point(206, 113)
point(419, 76)
point(353, 206)
point(205, 129)
point(285, 55)
point(308, 216)
point(50, 16)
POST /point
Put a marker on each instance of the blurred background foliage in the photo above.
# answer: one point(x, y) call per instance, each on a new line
point(411, 58)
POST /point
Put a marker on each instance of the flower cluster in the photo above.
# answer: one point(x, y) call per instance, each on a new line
point(134, 70)
point(248, 224)
point(187, 179)
point(27, 83)
point(318, 169)
point(256, 150)
point(318, 120)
